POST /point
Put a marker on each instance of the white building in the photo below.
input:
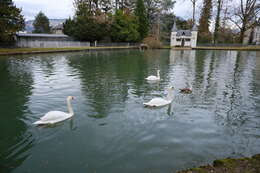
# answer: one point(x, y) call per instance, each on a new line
point(47, 41)
point(184, 38)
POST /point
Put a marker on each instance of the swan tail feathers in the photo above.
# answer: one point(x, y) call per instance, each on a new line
point(39, 122)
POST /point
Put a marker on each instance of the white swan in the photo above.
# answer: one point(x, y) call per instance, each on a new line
point(53, 117)
point(154, 78)
point(158, 102)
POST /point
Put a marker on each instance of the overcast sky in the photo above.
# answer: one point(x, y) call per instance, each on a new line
point(60, 9)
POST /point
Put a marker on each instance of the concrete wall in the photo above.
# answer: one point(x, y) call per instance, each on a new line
point(48, 43)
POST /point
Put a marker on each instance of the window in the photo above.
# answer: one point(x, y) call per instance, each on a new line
point(187, 39)
point(178, 39)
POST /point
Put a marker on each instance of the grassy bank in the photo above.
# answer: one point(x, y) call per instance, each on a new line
point(17, 51)
point(241, 165)
point(248, 48)
point(253, 48)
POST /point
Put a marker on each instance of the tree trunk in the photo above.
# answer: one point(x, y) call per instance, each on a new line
point(242, 33)
point(215, 39)
point(193, 15)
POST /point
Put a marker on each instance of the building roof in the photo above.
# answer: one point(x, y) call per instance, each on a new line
point(174, 27)
point(59, 26)
point(194, 28)
point(42, 35)
point(183, 33)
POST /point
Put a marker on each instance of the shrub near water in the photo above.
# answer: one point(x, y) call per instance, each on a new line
point(152, 42)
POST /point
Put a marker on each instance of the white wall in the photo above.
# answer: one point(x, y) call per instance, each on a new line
point(49, 44)
point(191, 43)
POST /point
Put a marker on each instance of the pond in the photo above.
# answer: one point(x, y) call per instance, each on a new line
point(111, 130)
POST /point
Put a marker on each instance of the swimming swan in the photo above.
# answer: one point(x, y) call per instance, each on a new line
point(158, 102)
point(53, 117)
point(154, 78)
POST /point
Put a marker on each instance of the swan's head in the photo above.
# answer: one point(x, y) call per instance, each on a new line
point(70, 98)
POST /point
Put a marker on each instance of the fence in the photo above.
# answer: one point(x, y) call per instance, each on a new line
point(97, 44)
point(50, 44)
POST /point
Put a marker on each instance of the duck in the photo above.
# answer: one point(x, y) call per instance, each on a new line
point(187, 90)
point(154, 78)
point(53, 117)
point(159, 102)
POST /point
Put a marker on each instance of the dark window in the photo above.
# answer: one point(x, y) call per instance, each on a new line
point(178, 39)
point(187, 39)
point(183, 33)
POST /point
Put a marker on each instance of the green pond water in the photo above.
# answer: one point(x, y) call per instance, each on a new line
point(112, 131)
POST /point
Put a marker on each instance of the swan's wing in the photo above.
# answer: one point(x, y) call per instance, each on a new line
point(157, 102)
point(54, 115)
point(152, 78)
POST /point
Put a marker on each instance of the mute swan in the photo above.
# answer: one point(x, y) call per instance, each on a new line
point(154, 78)
point(186, 90)
point(56, 116)
point(158, 102)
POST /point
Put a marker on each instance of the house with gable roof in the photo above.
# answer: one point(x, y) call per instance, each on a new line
point(184, 38)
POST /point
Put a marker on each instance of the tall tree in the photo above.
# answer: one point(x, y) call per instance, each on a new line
point(204, 22)
point(11, 20)
point(87, 25)
point(245, 15)
point(41, 24)
point(193, 10)
point(217, 21)
point(142, 20)
point(124, 27)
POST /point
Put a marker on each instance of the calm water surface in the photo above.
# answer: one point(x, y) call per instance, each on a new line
point(111, 130)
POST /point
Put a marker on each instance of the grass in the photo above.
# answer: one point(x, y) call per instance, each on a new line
point(13, 51)
point(220, 47)
point(228, 165)
point(229, 47)
point(9, 51)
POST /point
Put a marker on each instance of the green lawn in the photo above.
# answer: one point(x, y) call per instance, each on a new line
point(7, 51)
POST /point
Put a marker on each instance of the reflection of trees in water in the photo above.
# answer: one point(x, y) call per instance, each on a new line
point(233, 99)
point(15, 89)
point(109, 77)
point(222, 83)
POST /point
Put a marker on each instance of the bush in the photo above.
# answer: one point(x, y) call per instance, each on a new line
point(152, 42)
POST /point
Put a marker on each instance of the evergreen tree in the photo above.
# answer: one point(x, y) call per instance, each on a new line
point(87, 25)
point(142, 20)
point(204, 22)
point(11, 20)
point(124, 28)
point(89, 29)
point(41, 24)
point(217, 21)
point(69, 27)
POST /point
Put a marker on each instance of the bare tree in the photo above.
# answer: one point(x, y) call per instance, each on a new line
point(245, 15)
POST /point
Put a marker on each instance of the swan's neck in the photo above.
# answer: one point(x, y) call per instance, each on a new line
point(169, 95)
point(70, 107)
point(158, 74)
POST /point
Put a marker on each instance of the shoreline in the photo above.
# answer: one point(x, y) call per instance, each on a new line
point(21, 51)
point(243, 48)
point(229, 165)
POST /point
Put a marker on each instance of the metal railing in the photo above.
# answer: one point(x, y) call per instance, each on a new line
point(97, 44)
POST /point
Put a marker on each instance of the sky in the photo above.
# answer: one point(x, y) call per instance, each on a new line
point(60, 9)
